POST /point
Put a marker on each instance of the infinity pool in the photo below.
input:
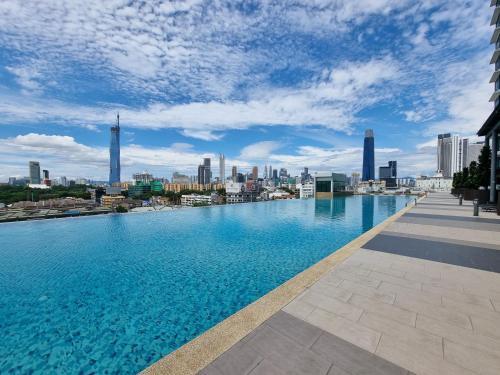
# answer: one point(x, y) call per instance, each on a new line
point(115, 293)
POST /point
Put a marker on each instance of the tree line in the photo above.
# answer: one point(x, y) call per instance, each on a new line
point(477, 174)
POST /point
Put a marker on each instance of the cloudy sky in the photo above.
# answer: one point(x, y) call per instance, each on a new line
point(292, 83)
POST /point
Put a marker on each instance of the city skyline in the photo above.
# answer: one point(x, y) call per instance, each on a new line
point(309, 108)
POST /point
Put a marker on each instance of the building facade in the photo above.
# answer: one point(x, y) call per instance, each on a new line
point(114, 153)
point(491, 127)
point(434, 183)
point(204, 172)
point(369, 156)
point(222, 168)
point(326, 184)
point(34, 168)
point(306, 190)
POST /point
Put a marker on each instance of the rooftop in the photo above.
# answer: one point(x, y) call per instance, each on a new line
point(420, 293)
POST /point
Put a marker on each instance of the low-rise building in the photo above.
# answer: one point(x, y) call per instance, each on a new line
point(306, 190)
point(196, 199)
point(434, 183)
point(372, 186)
point(111, 201)
point(326, 184)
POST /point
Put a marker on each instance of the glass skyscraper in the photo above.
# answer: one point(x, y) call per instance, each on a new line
point(114, 153)
point(369, 156)
point(34, 167)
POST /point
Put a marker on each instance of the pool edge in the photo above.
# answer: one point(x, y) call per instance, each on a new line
point(204, 349)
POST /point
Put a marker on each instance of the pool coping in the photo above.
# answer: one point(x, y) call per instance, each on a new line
point(204, 349)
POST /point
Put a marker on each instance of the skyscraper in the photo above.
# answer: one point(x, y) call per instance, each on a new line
point(234, 173)
point(204, 172)
point(369, 156)
point(222, 168)
point(265, 172)
point(34, 167)
point(449, 154)
point(114, 153)
point(255, 173)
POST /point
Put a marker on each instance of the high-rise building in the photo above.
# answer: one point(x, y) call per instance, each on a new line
point(275, 174)
point(355, 179)
point(34, 167)
point(369, 156)
point(114, 153)
point(45, 174)
point(143, 177)
point(234, 173)
point(222, 168)
point(270, 174)
point(255, 173)
point(473, 152)
point(265, 172)
point(204, 172)
point(389, 174)
point(449, 154)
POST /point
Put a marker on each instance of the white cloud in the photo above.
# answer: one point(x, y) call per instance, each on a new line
point(63, 155)
point(259, 151)
point(332, 102)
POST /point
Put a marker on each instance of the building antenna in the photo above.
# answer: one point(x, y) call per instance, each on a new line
point(118, 119)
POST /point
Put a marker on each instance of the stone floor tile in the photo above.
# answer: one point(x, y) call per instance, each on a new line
point(331, 291)
point(470, 308)
point(428, 341)
point(396, 280)
point(303, 333)
point(289, 356)
point(459, 335)
point(240, 359)
point(266, 367)
point(421, 277)
point(474, 360)
point(496, 303)
point(377, 294)
point(390, 311)
point(415, 359)
point(352, 359)
point(485, 326)
point(459, 296)
point(333, 305)
point(352, 332)
point(334, 370)
point(433, 311)
point(422, 296)
point(367, 281)
point(299, 309)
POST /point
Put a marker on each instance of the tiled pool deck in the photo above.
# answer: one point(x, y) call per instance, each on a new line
point(421, 296)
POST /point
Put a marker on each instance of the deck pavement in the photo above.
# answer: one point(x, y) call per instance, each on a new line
point(422, 297)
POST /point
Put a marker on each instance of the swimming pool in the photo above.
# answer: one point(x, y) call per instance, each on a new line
point(115, 293)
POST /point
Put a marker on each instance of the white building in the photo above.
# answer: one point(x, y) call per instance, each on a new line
point(234, 187)
point(222, 168)
point(38, 186)
point(306, 190)
point(193, 199)
point(368, 187)
point(434, 183)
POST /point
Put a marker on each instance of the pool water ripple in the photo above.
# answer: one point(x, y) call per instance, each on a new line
point(113, 294)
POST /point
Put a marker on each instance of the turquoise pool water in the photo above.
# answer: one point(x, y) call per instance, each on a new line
point(113, 294)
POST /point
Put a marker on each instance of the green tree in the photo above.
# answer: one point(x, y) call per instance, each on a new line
point(121, 209)
point(484, 167)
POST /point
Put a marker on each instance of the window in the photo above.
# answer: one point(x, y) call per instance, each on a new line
point(497, 84)
point(323, 186)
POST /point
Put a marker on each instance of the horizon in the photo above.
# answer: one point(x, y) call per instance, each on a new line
point(291, 85)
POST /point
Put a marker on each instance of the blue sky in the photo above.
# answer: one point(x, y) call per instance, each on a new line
point(288, 83)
